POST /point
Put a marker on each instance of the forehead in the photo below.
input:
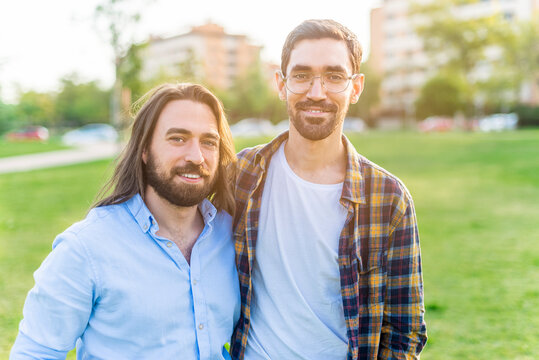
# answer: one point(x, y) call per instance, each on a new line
point(319, 54)
point(190, 115)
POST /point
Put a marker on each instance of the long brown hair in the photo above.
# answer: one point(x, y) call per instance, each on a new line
point(128, 178)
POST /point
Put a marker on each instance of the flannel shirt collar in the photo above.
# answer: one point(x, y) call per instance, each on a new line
point(354, 184)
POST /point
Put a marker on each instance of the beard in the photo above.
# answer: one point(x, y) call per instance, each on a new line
point(182, 194)
point(314, 127)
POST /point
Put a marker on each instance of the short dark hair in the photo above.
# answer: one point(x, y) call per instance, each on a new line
point(321, 29)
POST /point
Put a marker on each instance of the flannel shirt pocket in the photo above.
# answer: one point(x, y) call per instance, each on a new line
point(371, 279)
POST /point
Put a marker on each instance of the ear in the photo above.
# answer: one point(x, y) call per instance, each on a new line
point(280, 85)
point(358, 84)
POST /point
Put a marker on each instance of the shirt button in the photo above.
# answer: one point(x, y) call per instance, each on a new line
point(201, 326)
point(194, 281)
point(169, 244)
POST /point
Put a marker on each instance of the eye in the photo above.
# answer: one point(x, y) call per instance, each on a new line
point(177, 139)
point(210, 143)
point(334, 77)
point(302, 77)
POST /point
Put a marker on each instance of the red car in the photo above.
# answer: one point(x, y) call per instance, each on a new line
point(436, 124)
point(35, 133)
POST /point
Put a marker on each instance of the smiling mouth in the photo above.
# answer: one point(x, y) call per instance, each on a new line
point(314, 111)
point(191, 176)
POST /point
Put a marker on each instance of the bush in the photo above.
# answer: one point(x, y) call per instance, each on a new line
point(527, 115)
point(7, 117)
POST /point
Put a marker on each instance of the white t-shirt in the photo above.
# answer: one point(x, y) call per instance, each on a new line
point(296, 309)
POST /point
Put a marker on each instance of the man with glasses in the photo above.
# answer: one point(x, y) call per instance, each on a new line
point(327, 245)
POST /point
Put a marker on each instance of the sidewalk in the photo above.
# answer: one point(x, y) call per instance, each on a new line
point(58, 158)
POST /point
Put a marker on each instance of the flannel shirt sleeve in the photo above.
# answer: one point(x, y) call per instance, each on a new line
point(403, 329)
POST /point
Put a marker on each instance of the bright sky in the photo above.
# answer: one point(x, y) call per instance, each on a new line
point(42, 41)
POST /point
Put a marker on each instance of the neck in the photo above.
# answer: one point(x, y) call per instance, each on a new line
point(318, 161)
point(182, 225)
point(169, 216)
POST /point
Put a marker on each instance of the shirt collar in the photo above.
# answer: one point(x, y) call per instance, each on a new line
point(208, 211)
point(354, 184)
point(140, 212)
point(145, 219)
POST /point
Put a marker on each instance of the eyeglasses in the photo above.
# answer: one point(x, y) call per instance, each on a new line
point(300, 82)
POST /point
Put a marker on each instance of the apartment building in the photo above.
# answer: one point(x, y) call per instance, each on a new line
point(396, 51)
point(218, 57)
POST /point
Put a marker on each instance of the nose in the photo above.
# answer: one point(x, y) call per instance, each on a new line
point(194, 153)
point(316, 91)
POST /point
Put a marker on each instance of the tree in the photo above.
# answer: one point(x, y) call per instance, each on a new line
point(370, 97)
point(36, 108)
point(456, 42)
point(81, 103)
point(115, 18)
point(129, 71)
point(518, 62)
point(444, 94)
point(464, 46)
point(252, 96)
point(7, 117)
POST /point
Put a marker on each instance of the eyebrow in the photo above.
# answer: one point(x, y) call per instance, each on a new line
point(330, 68)
point(187, 132)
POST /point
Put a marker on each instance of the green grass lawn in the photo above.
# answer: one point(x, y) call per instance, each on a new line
point(477, 201)
point(14, 148)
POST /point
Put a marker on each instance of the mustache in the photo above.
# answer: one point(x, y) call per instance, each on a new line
point(191, 168)
point(323, 105)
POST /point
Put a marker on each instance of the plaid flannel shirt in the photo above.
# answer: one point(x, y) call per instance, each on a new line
point(379, 256)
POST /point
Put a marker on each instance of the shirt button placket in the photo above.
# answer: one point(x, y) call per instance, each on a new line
point(199, 301)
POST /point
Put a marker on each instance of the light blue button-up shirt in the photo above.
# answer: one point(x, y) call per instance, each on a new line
point(116, 290)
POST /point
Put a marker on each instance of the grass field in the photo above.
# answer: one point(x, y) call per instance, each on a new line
point(477, 200)
point(10, 148)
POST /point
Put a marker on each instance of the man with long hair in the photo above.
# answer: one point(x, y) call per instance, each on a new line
point(149, 273)
point(327, 242)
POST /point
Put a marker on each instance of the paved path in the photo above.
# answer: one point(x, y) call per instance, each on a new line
point(58, 158)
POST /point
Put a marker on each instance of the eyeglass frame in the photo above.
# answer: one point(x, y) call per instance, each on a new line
point(349, 78)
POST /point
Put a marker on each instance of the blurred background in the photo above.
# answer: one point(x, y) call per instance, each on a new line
point(451, 106)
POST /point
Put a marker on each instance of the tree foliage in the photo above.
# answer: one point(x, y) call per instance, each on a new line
point(129, 71)
point(453, 41)
point(517, 64)
point(35, 108)
point(494, 54)
point(81, 103)
point(444, 94)
point(252, 96)
point(114, 20)
point(370, 97)
point(7, 116)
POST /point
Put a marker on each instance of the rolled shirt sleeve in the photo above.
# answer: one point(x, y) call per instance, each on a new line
point(58, 307)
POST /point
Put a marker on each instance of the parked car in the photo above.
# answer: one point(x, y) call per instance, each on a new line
point(353, 124)
point(498, 122)
point(29, 133)
point(281, 126)
point(436, 124)
point(252, 127)
point(90, 134)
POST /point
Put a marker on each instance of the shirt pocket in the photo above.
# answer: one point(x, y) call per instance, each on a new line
point(372, 279)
